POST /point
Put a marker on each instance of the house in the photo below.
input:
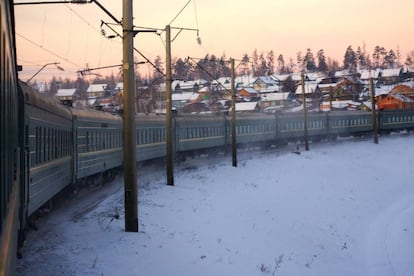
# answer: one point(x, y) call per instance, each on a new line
point(278, 100)
point(311, 90)
point(395, 101)
point(66, 96)
point(181, 99)
point(264, 82)
point(96, 91)
point(391, 76)
point(248, 95)
point(403, 90)
point(247, 107)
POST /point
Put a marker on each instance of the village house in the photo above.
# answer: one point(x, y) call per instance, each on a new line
point(264, 83)
point(248, 94)
point(96, 91)
point(276, 101)
point(66, 96)
point(395, 101)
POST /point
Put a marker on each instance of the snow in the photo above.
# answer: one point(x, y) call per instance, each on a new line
point(341, 208)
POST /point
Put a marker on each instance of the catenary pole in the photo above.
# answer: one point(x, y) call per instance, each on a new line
point(130, 174)
point(305, 114)
point(233, 117)
point(374, 113)
point(169, 126)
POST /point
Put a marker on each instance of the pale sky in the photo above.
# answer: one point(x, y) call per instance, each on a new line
point(70, 34)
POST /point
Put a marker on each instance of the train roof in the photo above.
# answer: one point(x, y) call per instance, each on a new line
point(41, 101)
point(90, 114)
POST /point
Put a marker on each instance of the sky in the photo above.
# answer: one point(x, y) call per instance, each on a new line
point(71, 34)
point(341, 208)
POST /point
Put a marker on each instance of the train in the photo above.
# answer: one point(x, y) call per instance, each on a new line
point(47, 147)
point(9, 147)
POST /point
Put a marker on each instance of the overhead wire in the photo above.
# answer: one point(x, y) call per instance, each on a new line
point(47, 50)
point(178, 14)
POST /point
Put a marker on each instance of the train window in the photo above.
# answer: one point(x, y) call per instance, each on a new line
point(37, 150)
point(49, 148)
point(87, 141)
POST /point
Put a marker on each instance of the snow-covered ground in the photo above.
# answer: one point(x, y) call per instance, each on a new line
point(344, 208)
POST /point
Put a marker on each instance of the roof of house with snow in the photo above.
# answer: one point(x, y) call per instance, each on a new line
point(394, 72)
point(66, 92)
point(280, 96)
point(310, 87)
point(96, 87)
point(247, 106)
point(185, 96)
point(367, 74)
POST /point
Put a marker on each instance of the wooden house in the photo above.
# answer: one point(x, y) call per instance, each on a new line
point(391, 76)
point(395, 101)
point(264, 82)
point(403, 90)
point(66, 96)
point(248, 94)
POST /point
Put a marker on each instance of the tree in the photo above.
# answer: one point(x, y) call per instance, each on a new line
point(255, 63)
point(378, 56)
point(299, 60)
point(350, 59)
point(333, 66)
point(263, 69)
point(309, 61)
point(158, 68)
point(289, 85)
point(322, 66)
point(390, 59)
point(245, 65)
point(281, 64)
point(362, 59)
point(270, 62)
point(181, 69)
point(410, 59)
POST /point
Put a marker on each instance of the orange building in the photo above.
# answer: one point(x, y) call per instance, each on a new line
point(395, 101)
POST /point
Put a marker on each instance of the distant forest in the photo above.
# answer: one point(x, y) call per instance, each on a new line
point(257, 64)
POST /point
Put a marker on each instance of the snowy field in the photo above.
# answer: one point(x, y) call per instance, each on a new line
point(344, 208)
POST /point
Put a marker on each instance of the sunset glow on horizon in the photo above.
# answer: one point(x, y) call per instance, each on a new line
point(71, 34)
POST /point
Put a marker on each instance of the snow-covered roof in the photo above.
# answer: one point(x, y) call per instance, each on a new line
point(66, 92)
point(401, 98)
point(342, 73)
point(184, 96)
point(250, 90)
point(367, 74)
point(280, 96)
point(246, 106)
point(266, 79)
point(96, 87)
point(119, 86)
point(244, 81)
point(394, 72)
point(310, 87)
point(271, 88)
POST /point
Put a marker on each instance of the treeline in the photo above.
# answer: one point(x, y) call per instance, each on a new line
point(257, 64)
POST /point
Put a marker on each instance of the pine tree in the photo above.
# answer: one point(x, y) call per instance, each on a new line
point(350, 59)
point(309, 61)
point(322, 66)
point(270, 62)
point(281, 64)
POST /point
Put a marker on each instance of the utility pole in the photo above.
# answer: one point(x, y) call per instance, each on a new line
point(305, 114)
point(233, 117)
point(130, 174)
point(374, 114)
point(169, 123)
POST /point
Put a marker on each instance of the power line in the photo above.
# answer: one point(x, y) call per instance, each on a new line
point(83, 19)
point(178, 14)
point(47, 50)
